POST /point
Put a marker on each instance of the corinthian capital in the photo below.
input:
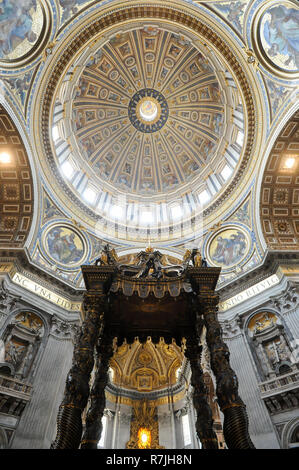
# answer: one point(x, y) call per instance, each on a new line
point(62, 329)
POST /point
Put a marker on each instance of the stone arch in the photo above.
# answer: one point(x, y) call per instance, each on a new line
point(288, 433)
point(16, 183)
point(15, 312)
point(269, 342)
point(279, 193)
point(3, 439)
point(22, 338)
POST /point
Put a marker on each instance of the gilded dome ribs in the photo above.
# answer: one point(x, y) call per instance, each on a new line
point(172, 160)
point(151, 149)
point(139, 58)
point(99, 80)
point(120, 162)
point(161, 45)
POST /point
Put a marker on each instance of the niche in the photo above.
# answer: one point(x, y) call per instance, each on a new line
point(20, 344)
point(270, 344)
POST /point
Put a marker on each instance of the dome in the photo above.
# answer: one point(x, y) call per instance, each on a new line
point(147, 126)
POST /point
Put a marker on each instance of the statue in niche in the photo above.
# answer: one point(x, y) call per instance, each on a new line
point(263, 323)
point(271, 344)
point(21, 341)
point(15, 353)
point(7, 300)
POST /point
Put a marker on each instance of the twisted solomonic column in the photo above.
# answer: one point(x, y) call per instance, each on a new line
point(93, 424)
point(69, 420)
point(204, 422)
point(235, 426)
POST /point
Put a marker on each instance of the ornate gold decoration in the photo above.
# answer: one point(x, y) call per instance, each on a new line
point(144, 438)
point(129, 401)
point(187, 256)
point(144, 423)
point(146, 367)
point(29, 320)
point(147, 14)
point(251, 58)
point(48, 50)
point(197, 260)
point(262, 321)
point(216, 227)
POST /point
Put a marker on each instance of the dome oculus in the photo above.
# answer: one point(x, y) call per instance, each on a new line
point(126, 90)
point(148, 110)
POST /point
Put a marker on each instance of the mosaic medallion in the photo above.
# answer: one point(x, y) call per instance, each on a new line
point(25, 27)
point(148, 110)
point(279, 32)
point(277, 37)
point(64, 245)
point(228, 247)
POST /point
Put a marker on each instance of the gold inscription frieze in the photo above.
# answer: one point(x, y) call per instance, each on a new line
point(249, 293)
point(45, 293)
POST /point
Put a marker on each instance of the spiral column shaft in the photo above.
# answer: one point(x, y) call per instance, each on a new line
point(93, 425)
point(204, 422)
point(69, 420)
point(235, 426)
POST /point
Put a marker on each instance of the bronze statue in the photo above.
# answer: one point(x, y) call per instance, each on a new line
point(195, 256)
point(150, 260)
point(107, 256)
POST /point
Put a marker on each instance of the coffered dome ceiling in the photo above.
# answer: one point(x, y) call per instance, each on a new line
point(150, 122)
point(146, 114)
point(145, 125)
